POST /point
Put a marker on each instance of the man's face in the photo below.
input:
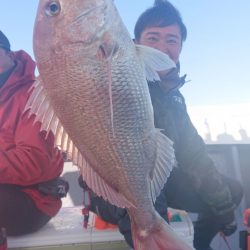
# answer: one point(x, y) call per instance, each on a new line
point(6, 60)
point(166, 39)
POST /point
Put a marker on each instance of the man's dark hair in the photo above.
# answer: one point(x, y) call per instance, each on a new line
point(4, 42)
point(162, 14)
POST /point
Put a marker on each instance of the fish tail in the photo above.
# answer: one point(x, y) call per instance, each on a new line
point(160, 237)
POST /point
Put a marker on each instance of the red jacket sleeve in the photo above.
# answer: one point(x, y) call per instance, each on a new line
point(28, 156)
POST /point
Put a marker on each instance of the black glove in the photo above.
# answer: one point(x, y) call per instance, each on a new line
point(229, 229)
point(227, 223)
point(57, 187)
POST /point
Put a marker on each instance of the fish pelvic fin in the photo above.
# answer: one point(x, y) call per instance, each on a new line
point(154, 61)
point(164, 155)
point(159, 237)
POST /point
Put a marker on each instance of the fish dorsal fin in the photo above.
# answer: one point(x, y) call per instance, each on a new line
point(154, 61)
point(164, 162)
point(39, 104)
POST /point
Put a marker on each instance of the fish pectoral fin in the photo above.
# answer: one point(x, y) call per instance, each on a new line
point(154, 61)
point(162, 148)
point(103, 189)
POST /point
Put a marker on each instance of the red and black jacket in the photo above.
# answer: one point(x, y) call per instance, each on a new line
point(26, 156)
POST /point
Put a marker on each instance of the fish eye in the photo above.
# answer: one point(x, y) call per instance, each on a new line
point(53, 8)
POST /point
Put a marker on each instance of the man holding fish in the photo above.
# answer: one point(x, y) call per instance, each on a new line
point(195, 186)
point(93, 94)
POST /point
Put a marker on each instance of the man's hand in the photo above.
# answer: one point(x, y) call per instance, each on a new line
point(229, 229)
point(227, 223)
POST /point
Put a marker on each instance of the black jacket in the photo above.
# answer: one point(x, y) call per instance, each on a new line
point(170, 114)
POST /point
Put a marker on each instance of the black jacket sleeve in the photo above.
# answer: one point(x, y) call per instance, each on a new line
point(171, 115)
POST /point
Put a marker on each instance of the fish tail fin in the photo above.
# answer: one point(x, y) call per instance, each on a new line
point(160, 237)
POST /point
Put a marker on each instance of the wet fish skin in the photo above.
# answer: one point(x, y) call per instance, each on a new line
point(96, 100)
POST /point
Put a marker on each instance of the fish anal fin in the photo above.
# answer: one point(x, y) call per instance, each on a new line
point(102, 188)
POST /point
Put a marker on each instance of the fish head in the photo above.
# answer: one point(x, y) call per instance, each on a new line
point(73, 27)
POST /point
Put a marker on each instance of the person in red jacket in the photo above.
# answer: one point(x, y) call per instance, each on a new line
point(28, 156)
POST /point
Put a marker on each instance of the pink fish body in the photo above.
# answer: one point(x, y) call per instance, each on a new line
point(92, 93)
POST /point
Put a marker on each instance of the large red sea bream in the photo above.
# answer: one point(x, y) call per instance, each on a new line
point(92, 93)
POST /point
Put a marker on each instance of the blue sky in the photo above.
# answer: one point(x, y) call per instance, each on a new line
point(215, 56)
